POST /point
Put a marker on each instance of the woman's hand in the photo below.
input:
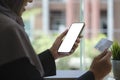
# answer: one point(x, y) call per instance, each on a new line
point(55, 46)
point(101, 65)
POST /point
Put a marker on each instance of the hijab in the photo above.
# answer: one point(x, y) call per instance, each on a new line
point(14, 7)
point(11, 8)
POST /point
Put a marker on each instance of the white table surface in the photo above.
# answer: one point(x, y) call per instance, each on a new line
point(71, 74)
point(68, 74)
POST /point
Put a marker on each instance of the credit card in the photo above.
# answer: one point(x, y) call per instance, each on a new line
point(103, 44)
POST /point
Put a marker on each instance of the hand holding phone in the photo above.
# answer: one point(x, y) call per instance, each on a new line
point(74, 31)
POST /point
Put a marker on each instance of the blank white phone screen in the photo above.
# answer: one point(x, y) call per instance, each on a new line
point(71, 36)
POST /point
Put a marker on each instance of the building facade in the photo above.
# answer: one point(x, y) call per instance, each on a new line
point(95, 14)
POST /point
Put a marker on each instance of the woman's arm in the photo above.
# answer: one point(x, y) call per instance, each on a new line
point(87, 76)
point(48, 63)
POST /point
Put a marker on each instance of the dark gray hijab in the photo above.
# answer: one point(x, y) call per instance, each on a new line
point(11, 8)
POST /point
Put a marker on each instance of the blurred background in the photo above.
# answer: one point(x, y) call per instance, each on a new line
point(46, 19)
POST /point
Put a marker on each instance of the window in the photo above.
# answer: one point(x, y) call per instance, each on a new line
point(57, 18)
point(94, 13)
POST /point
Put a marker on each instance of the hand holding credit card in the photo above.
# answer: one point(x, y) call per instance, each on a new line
point(103, 44)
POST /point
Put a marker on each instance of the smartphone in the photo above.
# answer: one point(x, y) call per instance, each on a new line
point(74, 31)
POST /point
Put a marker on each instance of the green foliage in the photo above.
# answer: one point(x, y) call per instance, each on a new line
point(63, 63)
point(26, 15)
point(90, 51)
point(43, 42)
point(115, 49)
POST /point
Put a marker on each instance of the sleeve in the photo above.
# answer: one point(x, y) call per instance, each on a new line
point(87, 76)
point(48, 63)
